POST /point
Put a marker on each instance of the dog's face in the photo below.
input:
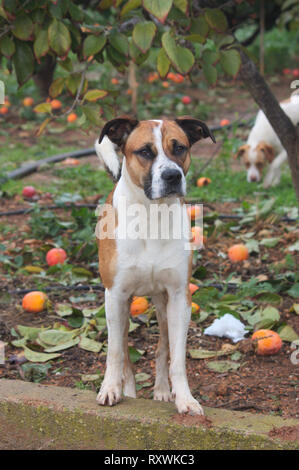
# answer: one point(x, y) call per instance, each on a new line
point(255, 159)
point(157, 152)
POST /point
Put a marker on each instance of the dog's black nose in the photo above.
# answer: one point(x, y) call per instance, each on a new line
point(171, 176)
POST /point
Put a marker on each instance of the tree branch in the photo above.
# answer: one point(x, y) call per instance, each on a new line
point(265, 99)
point(281, 123)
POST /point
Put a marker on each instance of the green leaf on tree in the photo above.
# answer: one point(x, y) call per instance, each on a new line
point(23, 61)
point(143, 35)
point(158, 8)
point(93, 45)
point(59, 37)
point(7, 46)
point(216, 19)
point(181, 58)
point(230, 61)
point(22, 27)
point(94, 95)
point(163, 63)
point(56, 87)
point(130, 5)
point(41, 44)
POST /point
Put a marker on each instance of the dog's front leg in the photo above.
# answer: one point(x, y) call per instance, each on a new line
point(272, 177)
point(178, 316)
point(117, 317)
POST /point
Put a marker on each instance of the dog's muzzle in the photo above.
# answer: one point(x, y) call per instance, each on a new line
point(172, 182)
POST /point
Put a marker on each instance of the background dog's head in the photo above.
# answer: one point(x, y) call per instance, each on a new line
point(255, 159)
point(157, 152)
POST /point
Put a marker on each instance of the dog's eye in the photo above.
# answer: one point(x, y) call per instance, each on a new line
point(178, 149)
point(145, 152)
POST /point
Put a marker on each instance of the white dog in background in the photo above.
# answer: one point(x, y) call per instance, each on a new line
point(263, 146)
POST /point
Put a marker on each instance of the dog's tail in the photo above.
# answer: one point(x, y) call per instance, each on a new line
point(106, 151)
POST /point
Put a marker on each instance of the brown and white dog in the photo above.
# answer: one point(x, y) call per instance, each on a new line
point(156, 160)
point(264, 147)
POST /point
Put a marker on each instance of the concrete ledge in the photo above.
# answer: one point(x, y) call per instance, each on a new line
point(34, 416)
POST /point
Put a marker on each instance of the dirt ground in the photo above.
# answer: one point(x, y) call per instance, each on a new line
point(261, 384)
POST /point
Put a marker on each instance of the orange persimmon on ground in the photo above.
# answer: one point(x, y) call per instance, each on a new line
point(114, 81)
point(3, 110)
point(267, 342)
point(195, 308)
point(34, 301)
point(238, 253)
point(203, 181)
point(193, 288)
point(194, 212)
point(72, 117)
point(56, 104)
point(71, 161)
point(138, 306)
point(56, 256)
point(198, 237)
point(224, 122)
point(28, 101)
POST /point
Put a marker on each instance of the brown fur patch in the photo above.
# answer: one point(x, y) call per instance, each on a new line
point(242, 151)
point(138, 167)
point(265, 151)
point(172, 131)
point(107, 249)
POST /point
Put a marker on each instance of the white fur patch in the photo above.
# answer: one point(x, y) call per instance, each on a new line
point(162, 163)
point(107, 154)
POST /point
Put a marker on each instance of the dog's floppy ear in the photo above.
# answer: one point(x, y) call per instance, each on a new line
point(267, 150)
point(240, 152)
point(118, 129)
point(194, 129)
point(114, 134)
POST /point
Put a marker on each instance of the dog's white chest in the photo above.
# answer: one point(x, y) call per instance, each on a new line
point(146, 267)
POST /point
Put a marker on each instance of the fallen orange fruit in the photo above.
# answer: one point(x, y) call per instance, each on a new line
point(238, 253)
point(3, 110)
point(268, 342)
point(198, 237)
point(56, 104)
point(72, 117)
point(193, 288)
point(194, 212)
point(56, 256)
point(28, 101)
point(71, 161)
point(34, 301)
point(138, 306)
point(203, 181)
point(224, 122)
point(195, 308)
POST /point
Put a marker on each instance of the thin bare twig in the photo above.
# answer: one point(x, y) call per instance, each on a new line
point(80, 87)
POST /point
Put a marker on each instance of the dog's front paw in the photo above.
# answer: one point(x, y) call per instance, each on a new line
point(109, 394)
point(163, 393)
point(188, 405)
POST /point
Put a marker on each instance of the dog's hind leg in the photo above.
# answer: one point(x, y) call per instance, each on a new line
point(162, 390)
point(129, 385)
point(117, 317)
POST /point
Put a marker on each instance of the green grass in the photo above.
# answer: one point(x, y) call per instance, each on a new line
point(228, 185)
point(84, 180)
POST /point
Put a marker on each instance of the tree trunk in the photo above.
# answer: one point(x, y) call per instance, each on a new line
point(44, 75)
point(282, 125)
